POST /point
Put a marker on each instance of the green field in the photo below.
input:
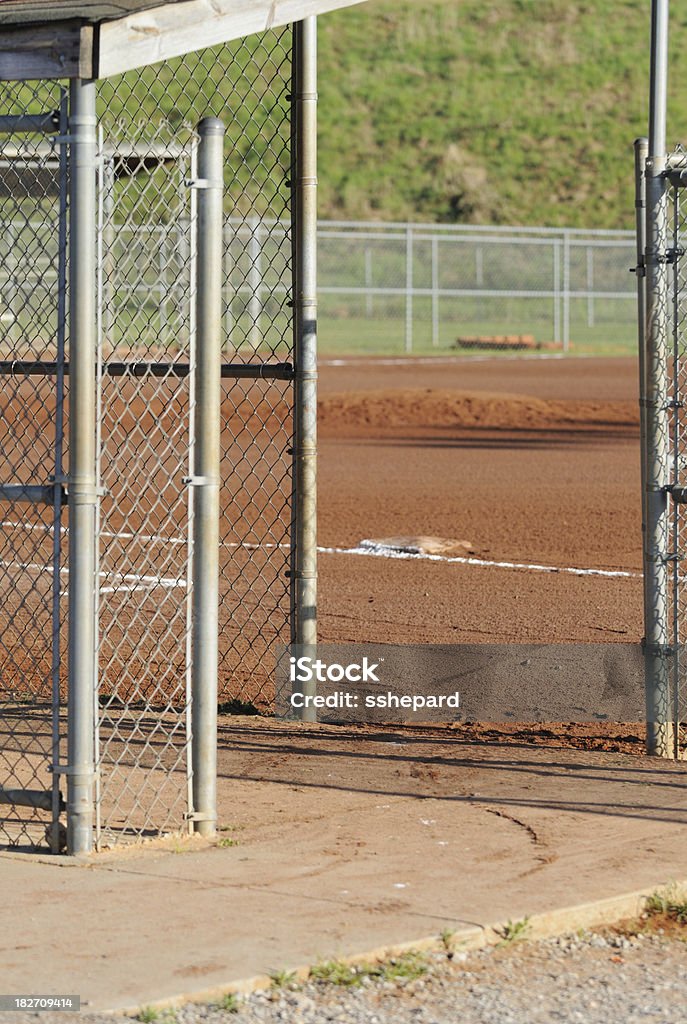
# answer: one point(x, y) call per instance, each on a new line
point(510, 112)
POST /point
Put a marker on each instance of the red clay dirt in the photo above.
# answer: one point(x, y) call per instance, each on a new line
point(533, 461)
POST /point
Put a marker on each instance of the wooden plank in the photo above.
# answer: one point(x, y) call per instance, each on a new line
point(58, 50)
point(32, 12)
point(178, 28)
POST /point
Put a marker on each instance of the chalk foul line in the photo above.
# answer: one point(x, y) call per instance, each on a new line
point(371, 549)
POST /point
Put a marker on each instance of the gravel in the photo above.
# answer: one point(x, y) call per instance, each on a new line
point(593, 978)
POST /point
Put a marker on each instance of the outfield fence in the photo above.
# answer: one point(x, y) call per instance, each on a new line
point(384, 288)
point(418, 287)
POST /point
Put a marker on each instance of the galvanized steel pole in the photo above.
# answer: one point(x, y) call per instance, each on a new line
point(82, 467)
point(641, 149)
point(205, 478)
point(660, 733)
point(304, 219)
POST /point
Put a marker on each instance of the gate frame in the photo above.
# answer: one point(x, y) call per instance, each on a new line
point(54, 494)
point(81, 136)
point(653, 173)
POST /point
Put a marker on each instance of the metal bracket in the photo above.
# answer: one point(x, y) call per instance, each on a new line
point(199, 481)
point(73, 769)
point(199, 816)
point(672, 255)
point(678, 494)
point(658, 650)
point(204, 183)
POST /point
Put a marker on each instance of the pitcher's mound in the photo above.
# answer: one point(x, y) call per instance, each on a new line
point(423, 545)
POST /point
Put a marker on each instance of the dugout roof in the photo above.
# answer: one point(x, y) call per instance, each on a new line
point(93, 39)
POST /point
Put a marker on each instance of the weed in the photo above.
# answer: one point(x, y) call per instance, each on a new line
point(147, 1014)
point(227, 842)
point(280, 979)
point(336, 972)
point(407, 966)
point(671, 902)
point(514, 931)
point(229, 1003)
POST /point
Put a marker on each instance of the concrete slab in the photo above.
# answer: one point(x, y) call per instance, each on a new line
point(346, 843)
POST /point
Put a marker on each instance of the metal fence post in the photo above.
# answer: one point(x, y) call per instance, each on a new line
point(369, 306)
point(205, 478)
point(435, 291)
point(641, 148)
point(254, 280)
point(660, 732)
point(82, 467)
point(556, 290)
point(590, 275)
point(409, 289)
point(566, 291)
point(304, 213)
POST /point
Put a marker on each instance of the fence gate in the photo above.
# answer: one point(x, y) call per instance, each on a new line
point(33, 212)
point(116, 280)
point(662, 188)
point(145, 439)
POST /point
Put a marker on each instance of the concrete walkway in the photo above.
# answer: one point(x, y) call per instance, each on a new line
point(337, 857)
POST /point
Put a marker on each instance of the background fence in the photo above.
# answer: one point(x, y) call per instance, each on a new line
point(386, 288)
point(414, 287)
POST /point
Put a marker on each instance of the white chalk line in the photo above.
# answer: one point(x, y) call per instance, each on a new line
point(140, 581)
point(443, 360)
point(367, 548)
point(374, 550)
point(145, 538)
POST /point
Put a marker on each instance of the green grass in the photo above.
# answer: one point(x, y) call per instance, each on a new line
point(408, 966)
point(670, 902)
point(282, 979)
point(514, 931)
point(359, 336)
point(512, 112)
point(229, 1003)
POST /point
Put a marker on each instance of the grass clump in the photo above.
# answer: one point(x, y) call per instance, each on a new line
point(671, 903)
point(406, 967)
point(229, 1003)
point(514, 931)
point(281, 979)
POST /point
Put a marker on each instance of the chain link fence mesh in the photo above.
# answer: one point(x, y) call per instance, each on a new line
point(148, 121)
point(33, 550)
point(419, 288)
point(146, 281)
point(676, 628)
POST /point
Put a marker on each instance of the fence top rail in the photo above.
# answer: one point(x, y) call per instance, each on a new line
point(512, 239)
point(474, 229)
point(397, 227)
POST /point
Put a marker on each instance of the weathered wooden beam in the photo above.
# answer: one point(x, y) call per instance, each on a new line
point(61, 49)
point(172, 30)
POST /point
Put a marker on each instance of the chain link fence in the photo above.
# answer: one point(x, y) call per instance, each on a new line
point(147, 242)
point(408, 288)
point(146, 407)
point(33, 556)
point(403, 288)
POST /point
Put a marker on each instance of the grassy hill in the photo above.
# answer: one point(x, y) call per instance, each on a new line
point(510, 111)
point(513, 112)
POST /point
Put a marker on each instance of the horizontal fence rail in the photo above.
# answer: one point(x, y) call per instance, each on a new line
point(383, 287)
